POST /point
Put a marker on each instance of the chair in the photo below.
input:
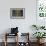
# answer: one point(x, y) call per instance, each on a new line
point(7, 35)
point(26, 41)
point(14, 32)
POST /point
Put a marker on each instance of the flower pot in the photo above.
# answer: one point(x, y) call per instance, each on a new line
point(40, 41)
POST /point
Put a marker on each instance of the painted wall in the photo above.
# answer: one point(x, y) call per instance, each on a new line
point(23, 24)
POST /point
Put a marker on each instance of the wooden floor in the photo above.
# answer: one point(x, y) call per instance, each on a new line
point(13, 44)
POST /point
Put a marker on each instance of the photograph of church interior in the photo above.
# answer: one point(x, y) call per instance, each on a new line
point(22, 22)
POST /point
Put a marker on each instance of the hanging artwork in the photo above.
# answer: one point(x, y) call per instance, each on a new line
point(17, 13)
point(41, 8)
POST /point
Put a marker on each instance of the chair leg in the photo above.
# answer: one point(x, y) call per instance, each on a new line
point(5, 43)
point(5, 39)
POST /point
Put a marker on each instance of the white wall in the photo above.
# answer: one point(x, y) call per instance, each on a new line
point(23, 24)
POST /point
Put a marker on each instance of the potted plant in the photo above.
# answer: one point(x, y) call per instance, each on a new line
point(39, 35)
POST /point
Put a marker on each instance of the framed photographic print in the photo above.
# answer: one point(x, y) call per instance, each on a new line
point(17, 13)
point(41, 8)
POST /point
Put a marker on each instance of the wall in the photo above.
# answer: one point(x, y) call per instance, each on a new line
point(23, 24)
